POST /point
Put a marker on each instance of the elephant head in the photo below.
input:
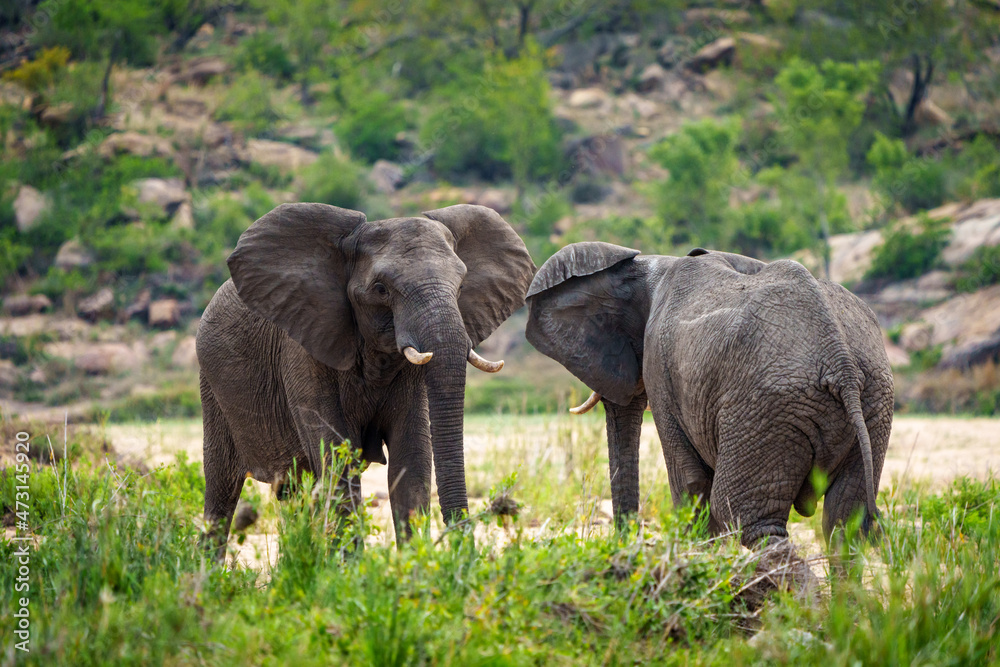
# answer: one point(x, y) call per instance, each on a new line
point(357, 294)
point(588, 307)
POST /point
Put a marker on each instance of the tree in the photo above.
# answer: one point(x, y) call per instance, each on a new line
point(120, 31)
point(820, 107)
point(933, 39)
point(311, 27)
point(694, 200)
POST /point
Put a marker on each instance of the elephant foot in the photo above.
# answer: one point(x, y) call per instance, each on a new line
point(779, 568)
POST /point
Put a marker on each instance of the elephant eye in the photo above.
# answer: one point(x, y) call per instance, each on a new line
point(380, 288)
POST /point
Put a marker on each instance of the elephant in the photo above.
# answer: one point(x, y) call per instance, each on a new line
point(756, 373)
point(334, 327)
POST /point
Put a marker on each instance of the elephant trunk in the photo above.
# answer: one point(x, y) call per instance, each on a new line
point(438, 328)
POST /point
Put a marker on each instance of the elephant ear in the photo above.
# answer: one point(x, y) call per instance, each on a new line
point(578, 259)
point(289, 268)
point(498, 265)
point(586, 319)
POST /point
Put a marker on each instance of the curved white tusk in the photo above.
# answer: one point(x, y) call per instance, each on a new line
point(417, 358)
point(484, 365)
point(588, 405)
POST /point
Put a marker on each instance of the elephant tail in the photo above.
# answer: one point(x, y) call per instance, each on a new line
point(851, 396)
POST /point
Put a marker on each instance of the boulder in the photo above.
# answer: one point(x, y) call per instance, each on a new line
point(104, 358)
point(928, 114)
point(757, 42)
point(977, 225)
point(184, 217)
point(138, 308)
point(9, 375)
point(286, 157)
point(598, 154)
point(499, 200)
point(651, 78)
point(673, 51)
point(712, 55)
point(29, 205)
point(164, 313)
point(966, 326)
point(185, 354)
point(165, 194)
point(19, 305)
point(134, 143)
point(199, 71)
point(386, 176)
point(72, 255)
point(851, 255)
point(97, 306)
point(587, 98)
point(640, 106)
point(898, 358)
point(161, 340)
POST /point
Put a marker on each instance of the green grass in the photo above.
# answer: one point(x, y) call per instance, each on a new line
point(117, 575)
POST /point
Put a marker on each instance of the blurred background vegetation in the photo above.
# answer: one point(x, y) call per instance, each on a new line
point(139, 138)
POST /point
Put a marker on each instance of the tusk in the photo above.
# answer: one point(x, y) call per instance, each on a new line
point(417, 358)
point(484, 365)
point(588, 405)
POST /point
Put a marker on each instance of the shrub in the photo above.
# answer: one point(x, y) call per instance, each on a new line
point(979, 164)
point(904, 254)
point(333, 180)
point(913, 183)
point(980, 270)
point(38, 74)
point(701, 159)
point(498, 124)
point(249, 104)
point(262, 52)
point(370, 123)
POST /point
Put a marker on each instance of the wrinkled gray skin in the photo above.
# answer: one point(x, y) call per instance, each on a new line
point(305, 344)
point(755, 373)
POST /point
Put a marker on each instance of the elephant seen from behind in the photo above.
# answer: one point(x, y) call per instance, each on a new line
point(333, 327)
point(756, 373)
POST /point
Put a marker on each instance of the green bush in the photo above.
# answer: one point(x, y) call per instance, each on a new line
point(913, 183)
point(370, 123)
point(219, 221)
point(906, 254)
point(333, 180)
point(250, 104)
point(980, 270)
point(498, 124)
point(701, 159)
point(263, 52)
point(979, 165)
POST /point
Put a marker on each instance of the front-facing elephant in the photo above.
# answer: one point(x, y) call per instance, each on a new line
point(757, 374)
point(333, 327)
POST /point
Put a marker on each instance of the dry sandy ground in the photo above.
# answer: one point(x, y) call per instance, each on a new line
point(922, 450)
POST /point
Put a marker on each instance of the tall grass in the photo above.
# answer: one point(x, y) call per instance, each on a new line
point(118, 575)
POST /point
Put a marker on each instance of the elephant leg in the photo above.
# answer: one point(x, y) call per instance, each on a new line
point(223, 476)
point(758, 474)
point(624, 425)
point(847, 492)
point(687, 473)
point(409, 474)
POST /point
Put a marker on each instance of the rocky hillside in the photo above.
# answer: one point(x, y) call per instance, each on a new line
point(128, 173)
